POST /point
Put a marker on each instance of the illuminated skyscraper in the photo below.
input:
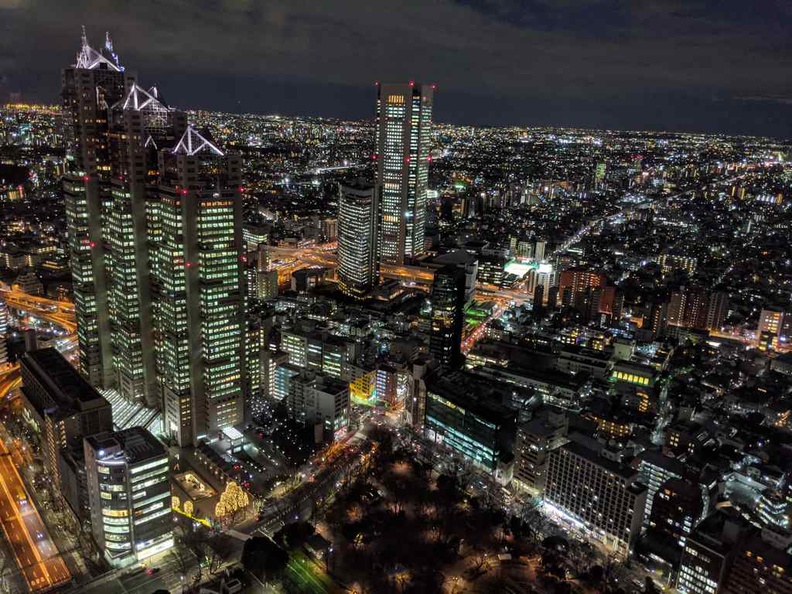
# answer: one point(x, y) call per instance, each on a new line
point(115, 139)
point(404, 120)
point(139, 124)
point(93, 84)
point(198, 287)
point(357, 238)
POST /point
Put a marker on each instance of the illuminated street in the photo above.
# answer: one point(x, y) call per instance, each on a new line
point(34, 551)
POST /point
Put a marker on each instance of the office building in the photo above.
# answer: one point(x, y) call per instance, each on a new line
point(709, 552)
point(403, 139)
point(762, 564)
point(467, 414)
point(128, 477)
point(357, 238)
point(604, 496)
point(772, 321)
point(535, 440)
point(677, 508)
point(319, 400)
point(282, 376)
point(198, 287)
point(62, 405)
point(139, 124)
point(448, 315)
point(89, 88)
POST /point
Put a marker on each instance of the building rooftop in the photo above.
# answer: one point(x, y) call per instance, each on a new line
point(64, 384)
point(625, 472)
point(135, 444)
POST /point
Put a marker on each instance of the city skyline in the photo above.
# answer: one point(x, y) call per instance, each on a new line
point(253, 354)
point(581, 64)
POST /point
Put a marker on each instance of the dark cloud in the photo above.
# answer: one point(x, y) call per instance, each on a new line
point(670, 64)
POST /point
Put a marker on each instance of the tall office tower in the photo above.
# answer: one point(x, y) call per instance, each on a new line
point(198, 287)
point(96, 82)
point(128, 480)
point(403, 139)
point(139, 124)
point(448, 315)
point(357, 238)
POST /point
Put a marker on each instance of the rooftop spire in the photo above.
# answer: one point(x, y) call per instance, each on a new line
point(84, 37)
point(108, 42)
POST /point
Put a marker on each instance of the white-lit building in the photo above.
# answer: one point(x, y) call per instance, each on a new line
point(602, 495)
point(404, 120)
point(128, 480)
point(357, 238)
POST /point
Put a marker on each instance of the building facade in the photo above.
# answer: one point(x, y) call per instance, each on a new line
point(357, 238)
point(448, 316)
point(403, 138)
point(90, 87)
point(603, 495)
point(128, 476)
point(198, 288)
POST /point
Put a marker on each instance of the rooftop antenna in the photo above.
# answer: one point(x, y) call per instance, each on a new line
point(84, 37)
point(108, 42)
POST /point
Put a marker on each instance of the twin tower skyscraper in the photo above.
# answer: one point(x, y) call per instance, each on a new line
point(385, 224)
point(154, 221)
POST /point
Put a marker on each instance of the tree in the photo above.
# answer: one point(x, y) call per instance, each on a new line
point(263, 558)
point(232, 502)
point(180, 561)
point(294, 535)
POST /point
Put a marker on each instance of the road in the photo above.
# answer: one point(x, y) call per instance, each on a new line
point(34, 551)
point(51, 310)
point(301, 502)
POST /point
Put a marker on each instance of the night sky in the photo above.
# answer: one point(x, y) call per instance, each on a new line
point(697, 65)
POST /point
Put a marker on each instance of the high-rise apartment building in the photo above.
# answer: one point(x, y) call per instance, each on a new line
point(91, 86)
point(198, 287)
point(601, 494)
point(357, 238)
point(128, 477)
point(448, 315)
point(577, 280)
point(403, 139)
